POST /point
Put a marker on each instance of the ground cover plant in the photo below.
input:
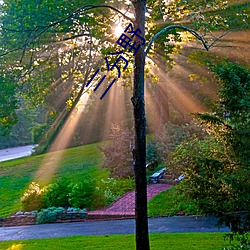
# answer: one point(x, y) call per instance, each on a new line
point(171, 241)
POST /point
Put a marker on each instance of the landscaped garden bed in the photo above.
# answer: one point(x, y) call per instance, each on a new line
point(49, 215)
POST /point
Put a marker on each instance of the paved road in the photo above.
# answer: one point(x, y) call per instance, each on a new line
point(156, 225)
point(14, 153)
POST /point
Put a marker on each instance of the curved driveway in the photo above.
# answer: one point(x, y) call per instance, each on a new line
point(17, 152)
point(156, 225)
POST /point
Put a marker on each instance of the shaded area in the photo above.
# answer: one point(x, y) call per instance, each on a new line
point(156, 225)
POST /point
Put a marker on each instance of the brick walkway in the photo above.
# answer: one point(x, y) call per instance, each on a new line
point(124, 207)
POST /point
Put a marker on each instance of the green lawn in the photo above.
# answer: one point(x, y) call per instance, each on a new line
point(16, 175)
point(169, 202)
point(171, 241)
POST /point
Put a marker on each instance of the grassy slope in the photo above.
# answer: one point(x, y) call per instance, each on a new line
point(16, 175)
point(169, 203)
point(173, 241)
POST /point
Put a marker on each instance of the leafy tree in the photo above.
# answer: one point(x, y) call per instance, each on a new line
point(118, 156)
point(8, 106)
point(216, 168)
point(165, 142)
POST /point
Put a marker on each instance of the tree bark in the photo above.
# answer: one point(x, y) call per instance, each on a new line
point(139, 151)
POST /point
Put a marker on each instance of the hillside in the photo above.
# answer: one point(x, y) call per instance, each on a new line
point(73, 164)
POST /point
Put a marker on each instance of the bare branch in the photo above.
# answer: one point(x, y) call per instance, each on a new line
point(113, 8)
point(218, 38)
point(193, 32)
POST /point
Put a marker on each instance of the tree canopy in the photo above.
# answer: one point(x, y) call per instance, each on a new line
point(57, 45)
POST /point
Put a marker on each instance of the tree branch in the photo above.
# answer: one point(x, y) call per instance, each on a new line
point(42, 29)
point(74, 13)
point(193, 32)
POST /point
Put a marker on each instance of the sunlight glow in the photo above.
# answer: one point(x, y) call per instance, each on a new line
point(118, 30)
point(16, 247)
point(51, 161)
point(171, 93)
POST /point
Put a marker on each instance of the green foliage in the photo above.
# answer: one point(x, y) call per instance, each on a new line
point(103, 193)
point(236, 16)
point(171, 202)
point(108, 190)
point(205, 175)
point(16, 175)
point(48, 215)
point(22, 132)
point(38, 131)
point(216, 168)
point(57, 193)
point(166, 141)
point(91, 193)
point(118, 153)
point(32, 198)
point(242, 241)
point(81, 194)
point(151, 154)
point(8, 105)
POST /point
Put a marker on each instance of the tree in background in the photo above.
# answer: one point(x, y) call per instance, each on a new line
point(118, 155)
point(8, 105)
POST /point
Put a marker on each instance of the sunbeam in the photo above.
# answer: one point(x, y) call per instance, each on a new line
point(51, 161)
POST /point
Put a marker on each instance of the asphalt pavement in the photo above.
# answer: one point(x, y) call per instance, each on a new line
point(178, 224)
point(17, 152)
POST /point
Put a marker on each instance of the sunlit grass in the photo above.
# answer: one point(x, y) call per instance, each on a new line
point(171, 241)
point(50, 163)
point(16, 175)
point(169, 202)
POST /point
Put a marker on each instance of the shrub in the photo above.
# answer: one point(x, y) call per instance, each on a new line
point(48, 215)
point(123, 185)
point(57, 193)
point(243, 242)
point(152, 156)
point(109, 189)
point(103, 194)
point(216, 168)
point(73, 209)
point(81, 194)
point(33, 197)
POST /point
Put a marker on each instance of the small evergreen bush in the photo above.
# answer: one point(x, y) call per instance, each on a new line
point(48, 215)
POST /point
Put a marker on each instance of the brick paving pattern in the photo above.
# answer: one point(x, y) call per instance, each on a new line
point(124, 207)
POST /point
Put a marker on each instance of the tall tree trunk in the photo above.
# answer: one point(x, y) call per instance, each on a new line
point(139, 152)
